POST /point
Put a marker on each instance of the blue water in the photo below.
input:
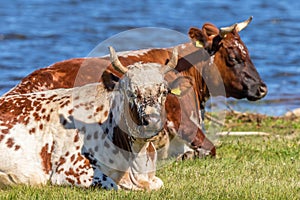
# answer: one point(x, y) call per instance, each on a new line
point(36, 33)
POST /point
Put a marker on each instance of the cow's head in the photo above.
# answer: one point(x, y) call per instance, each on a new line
point(145, 90)
point(231, 56)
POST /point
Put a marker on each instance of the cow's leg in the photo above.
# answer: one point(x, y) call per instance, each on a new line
point(156, 183)
point(173, 146)
point(7, 180)
point(193, 153)
point(103, 181)
point(183, 151)
point(177, 147)
point(77, 169)
point(72, 169)
point(99, 179)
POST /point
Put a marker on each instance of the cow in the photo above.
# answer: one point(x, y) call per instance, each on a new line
point(216, 59)
point(87, 136)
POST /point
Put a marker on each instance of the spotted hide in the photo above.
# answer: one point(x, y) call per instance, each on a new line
point(87, 136)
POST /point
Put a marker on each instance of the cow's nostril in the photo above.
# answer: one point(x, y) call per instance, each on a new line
point(150, 118)
point(262, 90)
point(145, 120)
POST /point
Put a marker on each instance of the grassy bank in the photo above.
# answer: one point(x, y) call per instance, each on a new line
point(246, 167)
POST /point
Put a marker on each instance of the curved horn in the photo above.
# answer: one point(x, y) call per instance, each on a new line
point(172, 62)
point(115, 61)
point(238, 27)
point(228, 29)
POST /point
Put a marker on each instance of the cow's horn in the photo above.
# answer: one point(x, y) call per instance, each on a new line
point(115, 61)
point(173, 61)
point(238, 27)
point(228, 29)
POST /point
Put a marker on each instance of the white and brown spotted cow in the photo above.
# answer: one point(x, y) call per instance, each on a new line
point(87, 136)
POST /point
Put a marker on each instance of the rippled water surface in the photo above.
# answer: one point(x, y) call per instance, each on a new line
point(35, 34)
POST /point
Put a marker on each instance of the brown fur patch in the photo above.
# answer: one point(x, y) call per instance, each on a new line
point(1, 137)
point(70, 111)
point(100, 108)
point(61, 161)
point(72, 157)
point(105, 113)
point(5, 131)
point(31, 131)
point(10, 142)
point(17, 147)
point(76, 138)
point(46, 159)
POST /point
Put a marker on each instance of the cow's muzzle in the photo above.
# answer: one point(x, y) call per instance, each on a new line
point(151, 119)
point(152, 123)
point(257, 92)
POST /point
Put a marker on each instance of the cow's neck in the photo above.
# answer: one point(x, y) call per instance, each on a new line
point(140, 153)
point(136, 160)
point(192, 62)
point(143, 167)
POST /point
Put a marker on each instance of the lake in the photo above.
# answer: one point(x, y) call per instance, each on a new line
point(36, 33)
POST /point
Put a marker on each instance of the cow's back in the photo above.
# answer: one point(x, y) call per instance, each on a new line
point(81, 71)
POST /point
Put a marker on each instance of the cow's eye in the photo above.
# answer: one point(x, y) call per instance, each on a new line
point(231, 57)
point(167, 91)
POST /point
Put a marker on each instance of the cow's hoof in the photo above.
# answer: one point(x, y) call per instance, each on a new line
point(196, 154)
point(203, 153)
point(104, 182)
point(189, 155)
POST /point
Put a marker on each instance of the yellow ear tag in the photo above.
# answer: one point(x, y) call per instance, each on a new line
point(199, 44)
point(176, 91)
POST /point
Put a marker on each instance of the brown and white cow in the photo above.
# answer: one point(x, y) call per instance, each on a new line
point(216, 59)
point(88, 136)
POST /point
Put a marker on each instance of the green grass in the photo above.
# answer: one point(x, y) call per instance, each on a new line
point(252, 167)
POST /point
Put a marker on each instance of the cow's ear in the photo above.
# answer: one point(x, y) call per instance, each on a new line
point(181, 85)
point(197, 37)
point(109, 80)
point(204, 38)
